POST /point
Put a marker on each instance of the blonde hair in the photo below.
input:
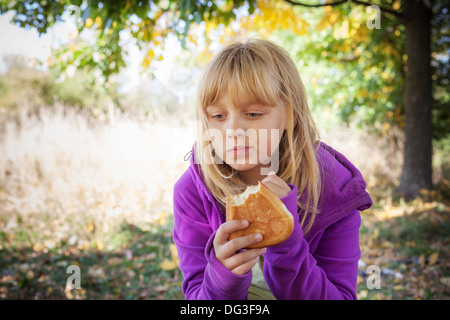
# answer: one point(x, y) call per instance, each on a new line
point(263, 73)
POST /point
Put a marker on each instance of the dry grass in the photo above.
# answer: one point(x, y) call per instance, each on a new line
point(59, 170)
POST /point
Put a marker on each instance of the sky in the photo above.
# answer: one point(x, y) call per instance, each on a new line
point(28, 43)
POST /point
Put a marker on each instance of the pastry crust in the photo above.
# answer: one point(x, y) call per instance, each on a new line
point(265, 212)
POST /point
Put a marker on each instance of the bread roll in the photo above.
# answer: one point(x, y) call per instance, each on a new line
point(265, 212)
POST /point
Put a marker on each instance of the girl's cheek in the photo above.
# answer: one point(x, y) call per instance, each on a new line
point(218, 147)
point(275, 140)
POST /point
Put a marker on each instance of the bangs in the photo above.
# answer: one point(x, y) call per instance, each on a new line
point(245, 74)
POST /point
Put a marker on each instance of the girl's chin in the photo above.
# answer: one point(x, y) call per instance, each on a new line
point(243, 167)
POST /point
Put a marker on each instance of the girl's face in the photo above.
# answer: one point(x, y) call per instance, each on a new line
point(245, 136)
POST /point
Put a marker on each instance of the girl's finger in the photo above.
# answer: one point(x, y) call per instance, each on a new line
point(244, 261)
point(271, 185)
point(228, 227)
point(246, 267)
point(278, 190)
point(239, 243)
point(242, 257)
point(274, 180)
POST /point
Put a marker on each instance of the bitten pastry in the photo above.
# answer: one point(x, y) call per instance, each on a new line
point(265, 212)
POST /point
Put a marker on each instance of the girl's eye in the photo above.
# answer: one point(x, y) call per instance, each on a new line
point(217, 116)
point(254, 115)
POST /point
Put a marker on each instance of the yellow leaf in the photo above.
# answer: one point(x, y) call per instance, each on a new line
point(173, 262)
point(98, 21)
point(396, 5)
point(322, 24)
point(30, 274)
point(114, 260)
point(150, 53)
point(386, 245)
point(342, 31)
point(173, 251)
point(99, 245)
point(433, 258)
point(90, 227)
point(168, 265)
point(148, 58)
point(162, 217)
point(333, 17)
point(88, 23)
point(375, 233)
point(363, 294)
point(145, 62)
point(192, 39)
point(422, 260)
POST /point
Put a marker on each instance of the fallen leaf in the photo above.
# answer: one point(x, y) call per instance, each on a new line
point(168, 265)
point(114, 260)
point(24, 267)
point(433, 258)
point(30, 274)
point(162, 288)
point(90, 227)
point(162, 219)
point(96, 272)
point(445, 281)
point(386, 245)
point(128, 254)
point(363, 294)
point(173, 251)
point(422, 260)
point(375, 233)
point(148, 256)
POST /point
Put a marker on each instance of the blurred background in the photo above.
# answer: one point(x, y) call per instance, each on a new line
point(97, 107)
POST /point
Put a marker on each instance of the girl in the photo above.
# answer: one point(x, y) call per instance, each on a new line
point(255, 125)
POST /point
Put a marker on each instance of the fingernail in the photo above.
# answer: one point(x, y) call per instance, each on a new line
point(245, 223)
point(263, 250)
point(258, 237)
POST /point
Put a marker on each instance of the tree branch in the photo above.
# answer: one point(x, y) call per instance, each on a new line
point(393, 12)
point(296, 3)
point(387, 10)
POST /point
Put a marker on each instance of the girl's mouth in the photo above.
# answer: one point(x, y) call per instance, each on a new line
point(240, 150)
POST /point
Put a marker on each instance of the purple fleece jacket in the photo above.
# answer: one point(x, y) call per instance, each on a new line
point(321, 264)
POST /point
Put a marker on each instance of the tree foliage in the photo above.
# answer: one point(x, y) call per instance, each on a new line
point(366, 65)
point(149, 22)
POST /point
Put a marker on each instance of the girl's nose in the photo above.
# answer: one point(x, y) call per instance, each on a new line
point(236, 127)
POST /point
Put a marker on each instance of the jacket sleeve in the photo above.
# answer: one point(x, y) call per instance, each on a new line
point(292, 272)
point(205, 278)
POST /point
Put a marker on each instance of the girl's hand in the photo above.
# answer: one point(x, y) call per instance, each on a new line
point(276, 184)
point(226, 250)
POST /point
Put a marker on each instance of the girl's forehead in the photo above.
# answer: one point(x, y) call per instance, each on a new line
point(225, 102)
point(237, 101)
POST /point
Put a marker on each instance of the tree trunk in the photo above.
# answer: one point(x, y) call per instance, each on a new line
point(417, 171)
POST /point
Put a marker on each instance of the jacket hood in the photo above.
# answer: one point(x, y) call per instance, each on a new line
point(343, 188)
